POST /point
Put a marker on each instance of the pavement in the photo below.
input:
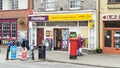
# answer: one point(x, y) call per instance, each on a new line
point(96, 60)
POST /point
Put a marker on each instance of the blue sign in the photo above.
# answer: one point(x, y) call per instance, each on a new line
point(13, 50)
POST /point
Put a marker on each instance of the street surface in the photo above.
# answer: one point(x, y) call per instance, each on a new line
point(42, 64)
point(59, 59)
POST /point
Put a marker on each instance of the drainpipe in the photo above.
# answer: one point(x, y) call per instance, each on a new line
point(99, 23)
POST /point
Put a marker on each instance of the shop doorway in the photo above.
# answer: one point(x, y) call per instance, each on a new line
point(40, 35)
point(61, 37)
point(111, 37)
point(112, 41)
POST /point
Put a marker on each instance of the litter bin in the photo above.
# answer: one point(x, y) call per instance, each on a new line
point(42, 52)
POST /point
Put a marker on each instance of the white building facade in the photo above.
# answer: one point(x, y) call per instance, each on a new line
point(14, 4)
point(61, 21)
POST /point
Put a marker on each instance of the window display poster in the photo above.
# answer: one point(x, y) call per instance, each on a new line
point(22, 33)
point(49, 33)
point(64, 38)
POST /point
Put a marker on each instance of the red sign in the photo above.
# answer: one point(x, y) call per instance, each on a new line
point(30, 12)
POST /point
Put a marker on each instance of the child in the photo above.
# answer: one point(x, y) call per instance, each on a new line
point(24, 53)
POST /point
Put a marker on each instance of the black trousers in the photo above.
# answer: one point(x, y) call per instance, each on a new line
point(8, 50)
point(32, 54)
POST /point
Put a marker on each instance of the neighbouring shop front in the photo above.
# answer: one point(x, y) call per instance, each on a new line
point(111, 33)
point(57, 28)
point(8, 29)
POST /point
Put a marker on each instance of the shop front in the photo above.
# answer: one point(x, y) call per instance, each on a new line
point(111, 33)
point(57, 28)
point(8, 29)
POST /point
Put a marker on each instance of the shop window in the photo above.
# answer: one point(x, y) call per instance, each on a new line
point(117, 38)
point(14, 30)
point(83, 23)
point(112, 24)
point(8, 29)
point(108, 38)
point(40, 23)
point(62, 23)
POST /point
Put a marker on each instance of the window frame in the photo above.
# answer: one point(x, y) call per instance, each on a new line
point(1, 2)
point(14, 4)
point(48, 3)
point(3, 27)
point(76, 5)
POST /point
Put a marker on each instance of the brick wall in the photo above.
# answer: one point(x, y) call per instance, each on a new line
point(16, 14)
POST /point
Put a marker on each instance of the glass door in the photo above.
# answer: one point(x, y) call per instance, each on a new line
point(108, 41)
point(107, 38)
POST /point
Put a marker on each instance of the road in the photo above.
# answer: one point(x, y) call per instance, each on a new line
point(42, 64)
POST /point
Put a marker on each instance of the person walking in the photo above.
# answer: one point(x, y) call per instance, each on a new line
point(23, 43)
point(24, 53)
point(20, 40)
point(27, 45)
point(0, 41)
point(80, 44)
point(17, 43)
point(32, 51)
point(8, 49)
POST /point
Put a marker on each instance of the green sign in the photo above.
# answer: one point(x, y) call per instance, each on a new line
point(73, 35)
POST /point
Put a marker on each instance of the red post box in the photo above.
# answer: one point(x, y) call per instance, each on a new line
point(73, 48)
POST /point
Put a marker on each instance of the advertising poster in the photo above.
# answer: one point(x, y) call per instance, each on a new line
point(64, 39)
point(13, 50)
point(19, 52)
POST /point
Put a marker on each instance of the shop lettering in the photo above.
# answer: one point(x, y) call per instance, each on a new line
point(38, 18)
point(111, 17)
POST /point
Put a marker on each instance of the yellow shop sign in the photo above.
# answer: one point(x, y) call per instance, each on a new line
point(69, 17)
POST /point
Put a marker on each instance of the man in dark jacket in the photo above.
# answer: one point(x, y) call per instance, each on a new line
point(27, 44)
point(8, 49)
point(23, 43)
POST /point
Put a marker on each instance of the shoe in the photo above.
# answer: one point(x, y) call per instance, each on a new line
point(81, 54)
